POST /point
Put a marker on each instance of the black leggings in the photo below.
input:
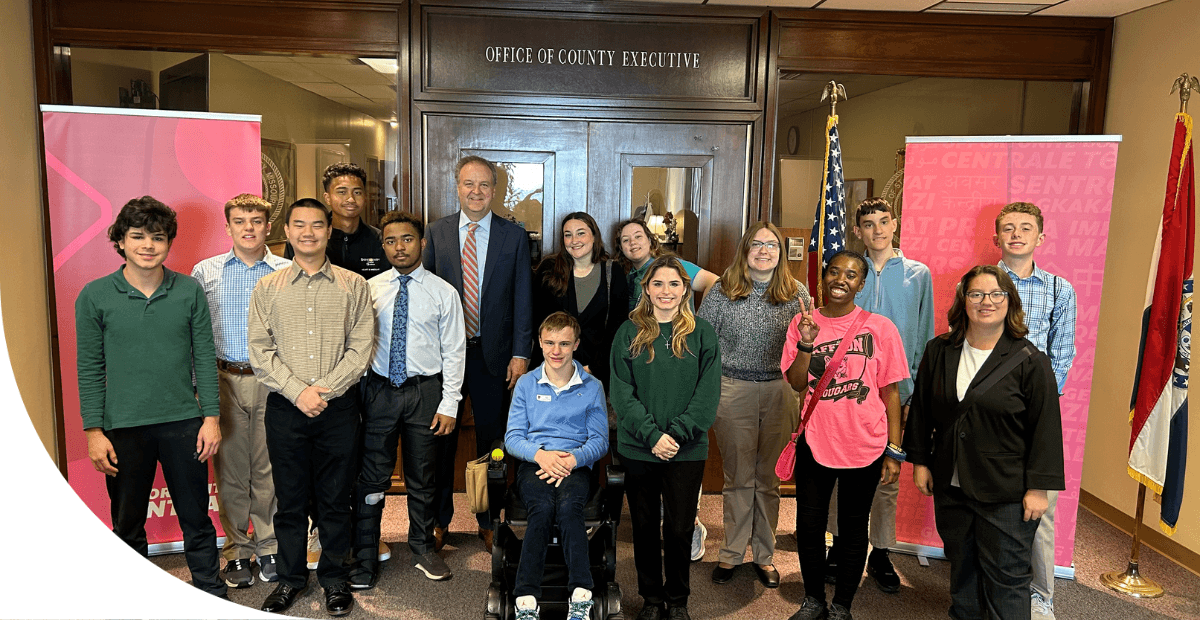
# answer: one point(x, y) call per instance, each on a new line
point(814, 487)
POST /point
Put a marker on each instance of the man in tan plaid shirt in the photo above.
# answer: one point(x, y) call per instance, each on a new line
point(311, 331)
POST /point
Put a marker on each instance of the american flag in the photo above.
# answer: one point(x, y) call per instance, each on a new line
point(829, 226)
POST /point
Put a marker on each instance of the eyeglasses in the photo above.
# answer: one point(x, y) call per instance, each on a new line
point(976, 297)
point(770, 245)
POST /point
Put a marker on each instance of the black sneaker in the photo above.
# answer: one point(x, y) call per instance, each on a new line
point(810, 609)
point(651, 611)
point(237, 574)
point(837, 612)
point(879, 566)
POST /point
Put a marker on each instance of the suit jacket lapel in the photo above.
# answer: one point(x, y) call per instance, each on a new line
point(448, 238)
point(497, 239)
point(1004, 348)
point(950, 370)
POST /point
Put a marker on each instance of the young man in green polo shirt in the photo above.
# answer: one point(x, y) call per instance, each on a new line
point(140, 331)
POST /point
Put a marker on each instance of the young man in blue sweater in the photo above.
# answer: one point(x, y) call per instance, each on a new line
point(900, 289)
point(558, 428)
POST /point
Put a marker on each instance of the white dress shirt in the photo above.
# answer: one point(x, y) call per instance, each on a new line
point(437, 342)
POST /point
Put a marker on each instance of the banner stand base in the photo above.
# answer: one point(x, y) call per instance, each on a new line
point(937, 553)
point(174, 547)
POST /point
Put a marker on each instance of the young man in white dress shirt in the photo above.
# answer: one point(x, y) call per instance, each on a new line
point(410, 394)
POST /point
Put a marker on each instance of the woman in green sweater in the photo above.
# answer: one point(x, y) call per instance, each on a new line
point(665, 386)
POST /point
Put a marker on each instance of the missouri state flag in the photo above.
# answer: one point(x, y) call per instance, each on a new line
point(829, 226)
point(1159, 408)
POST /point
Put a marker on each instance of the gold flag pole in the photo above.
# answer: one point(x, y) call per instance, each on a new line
point(1130, 581)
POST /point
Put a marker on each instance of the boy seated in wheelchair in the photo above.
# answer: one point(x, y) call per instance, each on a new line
point(557, 428)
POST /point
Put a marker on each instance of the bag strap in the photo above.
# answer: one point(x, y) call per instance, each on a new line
point(608, 291)
point(831, 369)
point(989, 381)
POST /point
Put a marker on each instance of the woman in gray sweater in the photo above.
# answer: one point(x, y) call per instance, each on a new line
point(750, 307)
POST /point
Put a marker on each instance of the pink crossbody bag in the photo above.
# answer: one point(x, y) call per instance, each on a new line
point(785, 467)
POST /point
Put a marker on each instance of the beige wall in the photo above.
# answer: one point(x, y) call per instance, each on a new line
point(873, 126)
point(23, 292)
point(1147, 58)
point(292, 114)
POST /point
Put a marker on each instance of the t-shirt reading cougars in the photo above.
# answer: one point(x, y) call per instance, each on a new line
point(848, 429)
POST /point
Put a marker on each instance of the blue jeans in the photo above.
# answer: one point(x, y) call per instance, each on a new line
point(547, 505)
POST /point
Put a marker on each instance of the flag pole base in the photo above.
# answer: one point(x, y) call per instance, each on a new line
point(1131, 583)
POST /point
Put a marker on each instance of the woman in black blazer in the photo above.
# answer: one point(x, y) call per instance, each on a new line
point(984, 436)
point(581, 280)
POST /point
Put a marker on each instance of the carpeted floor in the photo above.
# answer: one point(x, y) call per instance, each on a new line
point(403, 592)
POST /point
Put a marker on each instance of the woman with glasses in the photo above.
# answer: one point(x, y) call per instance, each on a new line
point(984, 436)
point(852, 437)
point(750, 308)
point(582, 281)
point(666, 382)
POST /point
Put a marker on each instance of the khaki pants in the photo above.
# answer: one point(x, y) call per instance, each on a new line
point(754, 421)
point(882, 532)
point(242, 470)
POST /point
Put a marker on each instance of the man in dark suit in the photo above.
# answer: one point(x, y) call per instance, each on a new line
point(486, 259)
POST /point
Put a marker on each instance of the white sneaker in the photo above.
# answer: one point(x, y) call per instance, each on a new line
point(1040, 608)
point(698, 535)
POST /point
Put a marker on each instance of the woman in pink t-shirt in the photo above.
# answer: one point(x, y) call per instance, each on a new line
point(856, 419)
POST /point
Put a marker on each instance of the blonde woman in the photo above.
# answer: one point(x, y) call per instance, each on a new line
point(665, 385)
point(750, 308)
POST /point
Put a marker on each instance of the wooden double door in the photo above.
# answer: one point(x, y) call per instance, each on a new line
point(550, 168)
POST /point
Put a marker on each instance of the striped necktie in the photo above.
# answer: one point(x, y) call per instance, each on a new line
point(470, 271)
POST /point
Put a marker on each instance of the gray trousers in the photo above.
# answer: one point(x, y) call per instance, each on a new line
point(754, 421)
point(1043, 551)
point(242, 470)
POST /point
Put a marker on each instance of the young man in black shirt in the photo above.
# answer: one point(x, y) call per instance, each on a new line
point(354, 245)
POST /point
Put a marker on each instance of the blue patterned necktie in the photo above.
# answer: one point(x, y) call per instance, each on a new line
point(398, 359)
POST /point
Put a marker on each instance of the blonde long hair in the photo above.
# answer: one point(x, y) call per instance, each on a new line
point(736, 283)
point(642, 316)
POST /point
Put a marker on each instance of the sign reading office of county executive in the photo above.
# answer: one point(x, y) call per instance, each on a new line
point(603, 57)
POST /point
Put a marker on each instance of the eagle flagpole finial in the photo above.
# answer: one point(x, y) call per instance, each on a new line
point(1185, 84)
point(834, 92)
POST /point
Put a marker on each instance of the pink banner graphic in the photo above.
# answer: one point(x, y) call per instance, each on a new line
point(953, 190)
point(98, 159)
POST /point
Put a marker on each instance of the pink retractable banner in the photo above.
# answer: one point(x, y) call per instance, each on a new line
point(97, 159)
point(953, 189)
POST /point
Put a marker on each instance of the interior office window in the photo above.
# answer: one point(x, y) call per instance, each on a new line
point(667, 200)
point(316, 110)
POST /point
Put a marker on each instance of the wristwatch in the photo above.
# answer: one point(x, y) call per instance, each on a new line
point(894, 452)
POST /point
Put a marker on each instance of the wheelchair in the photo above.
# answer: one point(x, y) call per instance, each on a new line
point(602, 515)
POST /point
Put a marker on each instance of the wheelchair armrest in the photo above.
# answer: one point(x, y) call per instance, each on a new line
point(614, 477)
point(614, 490)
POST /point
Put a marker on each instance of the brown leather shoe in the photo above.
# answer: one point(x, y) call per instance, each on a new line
point(486, 537)
point(439, 537)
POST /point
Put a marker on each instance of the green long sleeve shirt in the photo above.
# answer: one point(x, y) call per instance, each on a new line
point(135, 355)
point(669, 395)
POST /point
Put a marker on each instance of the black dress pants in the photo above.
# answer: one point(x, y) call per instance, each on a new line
point(489, 406)
point(392, 414)
point(674, 484)
point(313, 458)
point(814, 487)
point(140, 449)
point(990, 548)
